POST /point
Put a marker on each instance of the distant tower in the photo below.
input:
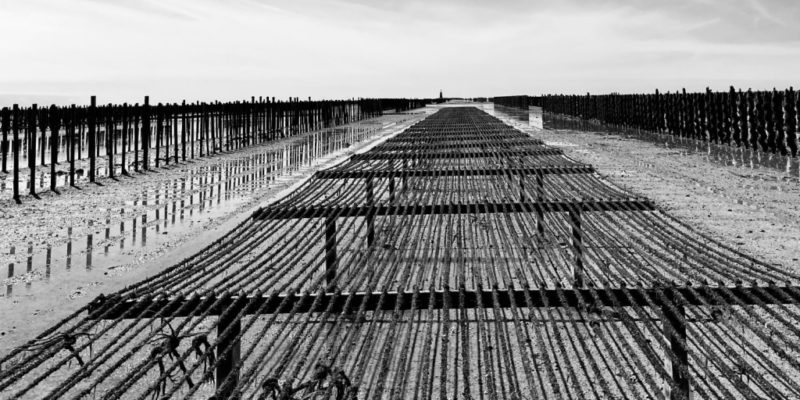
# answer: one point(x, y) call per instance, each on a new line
point(440, 95)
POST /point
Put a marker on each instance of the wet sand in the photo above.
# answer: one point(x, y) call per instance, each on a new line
point(70, 248)
point(751, 207)
point(748, 201)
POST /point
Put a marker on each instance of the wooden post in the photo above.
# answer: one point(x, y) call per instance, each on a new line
point(183, 131)
point(6, 127)
point(370, 215)
point(146, 133)
point(761, 109)
point(778, 122)
point(675, 331)
point(32, 148)
point(521, 188)
point(15, 145)
point(752, 117)
point(159, 131)
point(125, 129)
point(229, 355)
point(227, 127)
point(577, 247)
point(790, 115)
point(55, 126)
point(330, 250)
point(42, 116)
point(769, 115)
point(136, 115)
point(175, 140)
point(733, 117)
point(166, 130)
point(110, 141)
point(73, 120)
point(204, 125)
point(92, 132)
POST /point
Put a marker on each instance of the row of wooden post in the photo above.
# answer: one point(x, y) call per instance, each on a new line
point(205, 128)
point(761, 120)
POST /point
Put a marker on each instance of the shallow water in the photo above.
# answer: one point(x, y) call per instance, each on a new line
point(171, 208)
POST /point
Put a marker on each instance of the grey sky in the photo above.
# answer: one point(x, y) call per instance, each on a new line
point(121, 50)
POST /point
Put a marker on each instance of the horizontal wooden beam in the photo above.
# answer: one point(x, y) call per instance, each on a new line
point(499, 153)
point(344, 302)
point(488, 138)
point(431, 209)
point(411, 173)
point(456, 144)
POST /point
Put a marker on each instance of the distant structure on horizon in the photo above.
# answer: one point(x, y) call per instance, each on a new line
point(440, 95)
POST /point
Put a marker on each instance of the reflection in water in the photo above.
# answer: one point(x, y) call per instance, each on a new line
point(29, 266)
point(195, 191)
point(9, 286)
point(89, 250)
point(69, 248)
point(48, 258)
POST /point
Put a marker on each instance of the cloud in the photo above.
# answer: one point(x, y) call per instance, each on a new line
point(173, 49)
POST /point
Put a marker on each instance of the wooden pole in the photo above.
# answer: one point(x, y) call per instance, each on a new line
point(6, 127)
point(32, 148)
point(73, 119)
point(159, 131)
point(110, 140)
point(183, 131)
point(15, 146)
point(55, 126)
point(146, 133)
point(92, 121)
point(125, 129)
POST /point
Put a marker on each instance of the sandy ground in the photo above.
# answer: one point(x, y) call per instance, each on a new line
point(753, 209)
point(750, 207)
point(40, 298)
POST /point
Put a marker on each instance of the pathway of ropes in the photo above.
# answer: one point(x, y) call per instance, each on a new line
point(459, 259)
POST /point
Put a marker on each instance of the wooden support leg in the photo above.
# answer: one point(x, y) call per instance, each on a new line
point(675, 331)
point(330, 250)
point(521, 188)
point(577, 247)
point(228, 355)
point(370, 218)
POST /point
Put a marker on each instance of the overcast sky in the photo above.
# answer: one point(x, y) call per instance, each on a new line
point(121, 50)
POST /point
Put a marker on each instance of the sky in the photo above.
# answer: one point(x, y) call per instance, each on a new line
point(120, 50)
